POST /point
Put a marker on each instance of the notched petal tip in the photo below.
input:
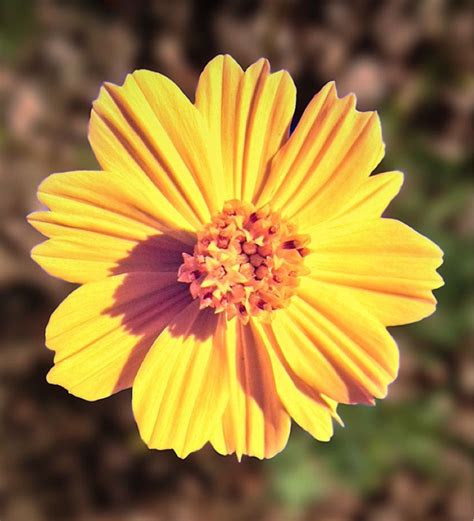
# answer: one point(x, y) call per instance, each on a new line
point(34, 220)
point(396, 178)
point(372, 118)
point(332, 404)
point(286, 81)
point(221, 61)
point(44, 186)
point(53, 379)
point(262, 63)
point(330, 87)
point(42, 255)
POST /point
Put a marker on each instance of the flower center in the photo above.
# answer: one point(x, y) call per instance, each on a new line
point(246, 262)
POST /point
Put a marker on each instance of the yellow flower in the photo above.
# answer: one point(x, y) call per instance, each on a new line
point(234, 275)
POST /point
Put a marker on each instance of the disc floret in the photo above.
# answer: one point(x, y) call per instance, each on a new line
point(246, 262)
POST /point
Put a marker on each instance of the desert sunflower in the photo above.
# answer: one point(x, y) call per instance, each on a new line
point(234, 275)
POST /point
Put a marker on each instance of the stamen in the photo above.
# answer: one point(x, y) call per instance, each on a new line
point(289, 245)
point(249, 248)
point(265, 250)
point(246, 262)
point(261, 272)
point(222, 242)
point(256, 260)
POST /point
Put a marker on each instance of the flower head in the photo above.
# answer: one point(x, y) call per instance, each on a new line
point(234, 275)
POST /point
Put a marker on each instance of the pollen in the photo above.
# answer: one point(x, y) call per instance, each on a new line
point(246, 262)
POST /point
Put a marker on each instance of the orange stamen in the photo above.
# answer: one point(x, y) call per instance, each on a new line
point(246, 262)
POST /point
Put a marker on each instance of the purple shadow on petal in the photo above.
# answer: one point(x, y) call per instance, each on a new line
point(251, 363)
point(145, 307)
point(356, 394)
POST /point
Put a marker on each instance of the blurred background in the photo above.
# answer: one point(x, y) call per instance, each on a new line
point(407, 459)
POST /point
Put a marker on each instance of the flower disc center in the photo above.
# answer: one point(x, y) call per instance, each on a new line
point(246, 262)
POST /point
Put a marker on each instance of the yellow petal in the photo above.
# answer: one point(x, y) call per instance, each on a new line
point(302, 402)
point(181, 389)
point(104, 223)
point(338, 348)
point(371, 199)
point(249, 115)
point(103, 330)
point(255, 422)
point(304, 359)
point(388, 267)
point(332, 151)
point(149, 127)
